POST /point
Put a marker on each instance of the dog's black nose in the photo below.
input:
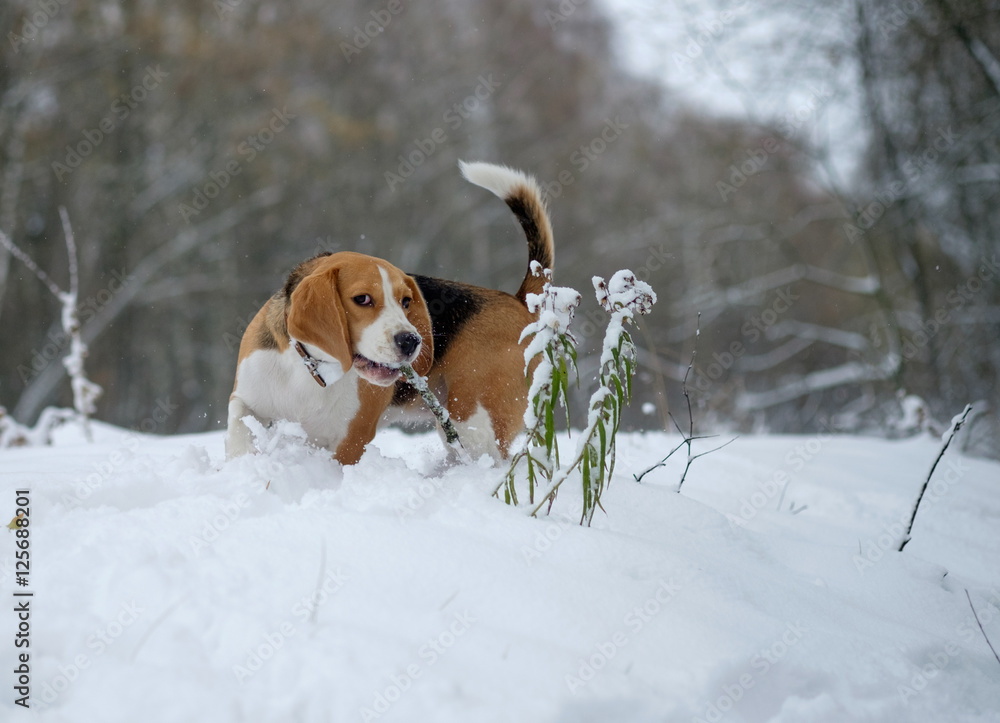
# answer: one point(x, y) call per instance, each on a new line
point(407, 342)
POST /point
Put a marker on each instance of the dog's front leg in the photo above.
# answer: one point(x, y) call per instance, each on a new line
point(239, 440)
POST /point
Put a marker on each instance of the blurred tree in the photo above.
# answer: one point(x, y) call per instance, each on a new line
point(203, 149)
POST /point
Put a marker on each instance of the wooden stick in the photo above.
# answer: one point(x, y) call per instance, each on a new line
point(450, 433)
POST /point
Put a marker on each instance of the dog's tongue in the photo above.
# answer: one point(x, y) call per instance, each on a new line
point(375, 373)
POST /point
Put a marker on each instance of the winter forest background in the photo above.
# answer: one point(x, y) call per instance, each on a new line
point(826, 196)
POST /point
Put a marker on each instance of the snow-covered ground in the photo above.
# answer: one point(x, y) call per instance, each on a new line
point(169, 585)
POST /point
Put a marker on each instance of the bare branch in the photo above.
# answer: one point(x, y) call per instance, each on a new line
point(35, 395)
point(17, 253)
point(74, 276)
point(956, 425)
point(716, 449)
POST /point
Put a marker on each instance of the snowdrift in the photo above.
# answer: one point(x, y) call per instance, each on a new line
point(169, 585)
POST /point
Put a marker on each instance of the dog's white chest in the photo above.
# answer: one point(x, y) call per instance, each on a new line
point(276, 385)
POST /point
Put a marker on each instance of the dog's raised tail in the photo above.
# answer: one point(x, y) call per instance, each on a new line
point(524, 197)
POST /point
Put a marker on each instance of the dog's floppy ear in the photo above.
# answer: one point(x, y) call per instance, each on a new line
point(316, 317)
point(421, 319)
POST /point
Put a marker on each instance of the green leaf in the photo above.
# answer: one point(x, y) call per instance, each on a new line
point(618, 387)
point(550, 429)
point(604, 442)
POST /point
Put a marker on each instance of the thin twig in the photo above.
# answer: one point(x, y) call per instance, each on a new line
point(684, 384)
point(153, 626)
point(716, 449)
point(319, 583)
point(981, 626)
point(17, 253)
point(74, 277)
point(687, 398)
point(954, 429)
point(690, 436)
point(638, 478)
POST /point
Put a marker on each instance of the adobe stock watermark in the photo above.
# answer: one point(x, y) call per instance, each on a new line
point(33, 24)
point(888, 540)
point(957, 298)
point(583, 156)
point(544, 539)
point(937, 661)
point(761, 664)
point(752, 330)
point(914, 168)
point(363, 36)
point(119, 111)
point(226, 7)
point(707, 32)
point(756, 158)
point(454, 117)
point(97, 644)
point(211, 185)
point(233, 336)
point(562, 12)
point(775, 485)
point(418, 497)
point(428, 654)
point(232, 509)
point(595, 319)
point(241, 323)
point(219, 523)
point(103, 471)
point(895, 18)
point(58, 341)
point(633, 622)
point(258, 655)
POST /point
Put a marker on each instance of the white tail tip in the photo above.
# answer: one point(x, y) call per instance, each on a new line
point(501, 180)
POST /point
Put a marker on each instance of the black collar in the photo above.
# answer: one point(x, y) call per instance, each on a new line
point(312, 364)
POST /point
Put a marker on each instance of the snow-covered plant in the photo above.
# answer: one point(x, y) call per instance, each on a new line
point(13, 434)
point(553, 351)
point(623, 297)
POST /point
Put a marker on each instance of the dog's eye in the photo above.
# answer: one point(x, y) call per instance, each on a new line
point(406, 302)
point(364, 300)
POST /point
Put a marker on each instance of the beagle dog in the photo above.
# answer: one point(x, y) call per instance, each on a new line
point(325, 351)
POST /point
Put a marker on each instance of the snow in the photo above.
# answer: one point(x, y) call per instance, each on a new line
point(170, 584)
point(622, 297)
point(623, 292)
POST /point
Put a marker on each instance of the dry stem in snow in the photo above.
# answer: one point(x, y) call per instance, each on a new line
point(689, 437)
point(956, 424)
point(85, 392)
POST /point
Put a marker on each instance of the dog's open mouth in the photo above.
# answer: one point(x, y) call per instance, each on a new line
point(381, 374)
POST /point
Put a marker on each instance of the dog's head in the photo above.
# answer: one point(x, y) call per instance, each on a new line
point(360, 311)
